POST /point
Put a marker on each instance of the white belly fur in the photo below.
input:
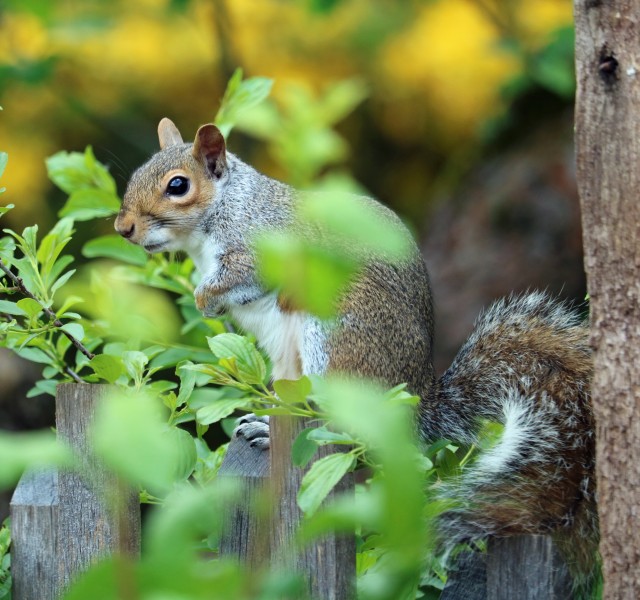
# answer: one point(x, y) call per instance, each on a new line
point(279, 333)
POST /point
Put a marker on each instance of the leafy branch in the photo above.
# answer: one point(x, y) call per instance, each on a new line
point(20, 286)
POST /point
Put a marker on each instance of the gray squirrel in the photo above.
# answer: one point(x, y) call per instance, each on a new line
point(527, 364)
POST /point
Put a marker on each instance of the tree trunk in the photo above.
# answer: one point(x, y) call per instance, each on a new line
point(608, 171)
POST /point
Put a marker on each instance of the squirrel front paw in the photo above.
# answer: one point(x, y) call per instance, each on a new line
point(254, 429)
point(208, 303)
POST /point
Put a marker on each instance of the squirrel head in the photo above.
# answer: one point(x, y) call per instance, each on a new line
point(167, 197)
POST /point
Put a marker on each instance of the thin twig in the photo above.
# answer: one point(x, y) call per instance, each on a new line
point(69, 371)
point(47, 311)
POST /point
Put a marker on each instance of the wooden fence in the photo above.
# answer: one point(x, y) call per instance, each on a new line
point(60, 525)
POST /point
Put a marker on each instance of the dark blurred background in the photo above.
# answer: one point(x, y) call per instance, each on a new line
point(466, 129)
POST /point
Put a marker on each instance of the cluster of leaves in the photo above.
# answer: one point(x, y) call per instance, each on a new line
point(122, 331)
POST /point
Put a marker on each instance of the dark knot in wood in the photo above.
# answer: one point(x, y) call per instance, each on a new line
point(608, 68)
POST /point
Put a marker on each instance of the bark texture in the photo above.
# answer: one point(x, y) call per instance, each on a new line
point(608, 163)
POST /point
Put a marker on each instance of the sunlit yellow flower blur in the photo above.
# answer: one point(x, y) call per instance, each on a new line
point(431, 67)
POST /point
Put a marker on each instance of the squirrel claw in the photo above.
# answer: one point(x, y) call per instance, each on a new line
point(254, 429)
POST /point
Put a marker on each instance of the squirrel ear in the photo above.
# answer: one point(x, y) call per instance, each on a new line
point(209, 148)
point(168, 134)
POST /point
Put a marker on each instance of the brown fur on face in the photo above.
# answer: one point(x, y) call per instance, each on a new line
point(149, 212)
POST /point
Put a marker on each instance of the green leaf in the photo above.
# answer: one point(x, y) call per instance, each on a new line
point(29, 275)
point(87, 204)
point(448, 463)
point(322, 436)
point(74, 329)
point(11, 308)
point(248, 361)
point(341, 99)
point(322, 477)
point(107, 367)
point(135, 362)
point(54, 242)
point(303, 449)
point(154, 350)
point(239, 96)
point(35, 355)
point(187, 382)
point(161, 386)
point(310, 276)
point(4, 158)
point(44, 386)
point(490, 434)
point(364, 225)
point(173, 356)
point(28, 243)
point(61, 281)
point(205, 396)
point(7, 248)
point(115, 246)
point(21, 451)
point(186, 453)
point(73, 171)
point(219, 410)
point(293, 391)
point(399, 396)
point(130, 435)
point(69, 301)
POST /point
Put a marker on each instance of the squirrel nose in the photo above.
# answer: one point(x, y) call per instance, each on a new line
point(128, 232)
point(125, 229)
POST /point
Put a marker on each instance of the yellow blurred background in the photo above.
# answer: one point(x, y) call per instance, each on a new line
point(90, 72)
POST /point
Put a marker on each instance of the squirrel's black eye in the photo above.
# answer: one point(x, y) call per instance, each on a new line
point(178, 186)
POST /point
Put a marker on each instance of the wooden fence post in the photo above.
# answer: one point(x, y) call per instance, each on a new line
point(245, 536)
point(328, 564)
point(34, 534)
point(66, 512)
point(526, 567)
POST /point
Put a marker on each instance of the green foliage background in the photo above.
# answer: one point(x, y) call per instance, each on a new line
point(129, 320)
point(377, 76)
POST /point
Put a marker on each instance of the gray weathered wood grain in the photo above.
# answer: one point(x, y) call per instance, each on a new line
point(263, 539)
point(469, 579)
point(526, 567)
point(328, 563)
point(88, 529)
point(246, 533)
point(34, 514)
point(523, 567)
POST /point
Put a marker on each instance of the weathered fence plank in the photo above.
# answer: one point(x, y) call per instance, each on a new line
point(527, 567)
point(87, 528)
point(328, 563)
point(469, 580)
point(34, 518)
point(246, 534)
point(60, 523)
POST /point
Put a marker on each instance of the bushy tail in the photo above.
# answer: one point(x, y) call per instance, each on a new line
point(527, 365)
